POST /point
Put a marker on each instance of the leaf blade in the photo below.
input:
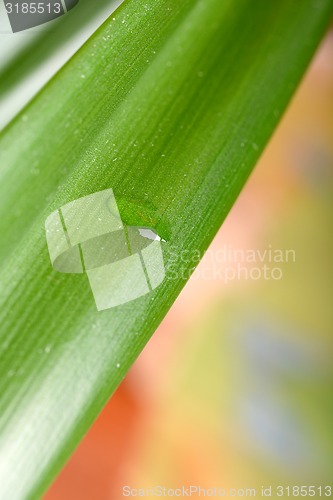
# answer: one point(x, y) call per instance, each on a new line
point(175, 99)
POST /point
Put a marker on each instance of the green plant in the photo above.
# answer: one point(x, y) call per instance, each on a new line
point(169, 104)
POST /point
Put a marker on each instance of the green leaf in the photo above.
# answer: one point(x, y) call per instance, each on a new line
point(169, 104)
point(54, 45)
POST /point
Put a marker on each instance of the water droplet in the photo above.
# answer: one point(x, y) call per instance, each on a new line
point(123, 229)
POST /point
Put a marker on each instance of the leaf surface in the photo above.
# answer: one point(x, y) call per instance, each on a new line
point(169, 104)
